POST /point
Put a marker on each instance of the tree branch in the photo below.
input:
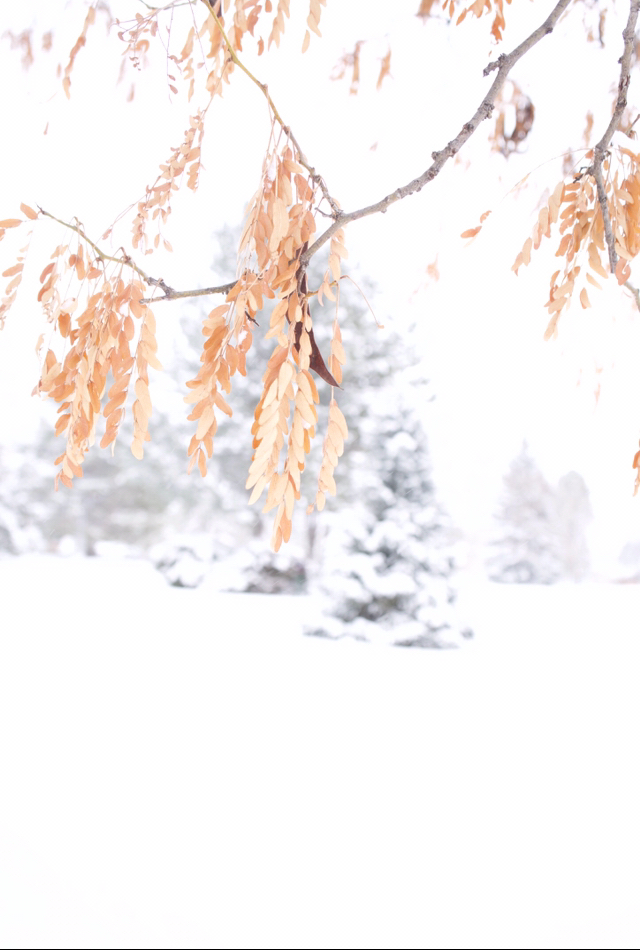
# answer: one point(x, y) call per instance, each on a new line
point(503, 64)
point(635, 292)
point(126, 260)
point(600, 150)
point(169, 292)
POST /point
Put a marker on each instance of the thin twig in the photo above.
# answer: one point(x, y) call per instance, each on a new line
point(169, 292)
point(627, 131)
point(634, 291)
point(315, 176)
point(126, 260)
point(503, 64)
point(600, 150)
point(364, 297)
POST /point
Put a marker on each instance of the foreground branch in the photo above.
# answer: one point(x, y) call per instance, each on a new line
point(125, 260)
point(600, 150)
point(503, 64)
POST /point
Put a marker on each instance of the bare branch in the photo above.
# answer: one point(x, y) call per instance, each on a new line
point(600, 150)
point(126, 260)
point(604, 208)
point(171, 294)
point(503, 64)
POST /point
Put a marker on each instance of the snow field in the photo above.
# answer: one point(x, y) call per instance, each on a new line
point(184, 769)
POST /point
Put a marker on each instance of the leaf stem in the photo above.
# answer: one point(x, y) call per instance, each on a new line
point(315, 176)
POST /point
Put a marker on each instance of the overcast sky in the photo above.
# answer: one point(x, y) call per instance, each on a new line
point(481, 328)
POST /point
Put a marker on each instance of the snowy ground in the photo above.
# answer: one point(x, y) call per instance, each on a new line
point(183, 769)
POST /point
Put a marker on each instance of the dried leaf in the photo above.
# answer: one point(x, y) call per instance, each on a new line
point(142, 392)
point(584, 299)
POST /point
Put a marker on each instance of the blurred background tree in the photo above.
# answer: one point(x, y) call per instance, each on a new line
point(542, 530)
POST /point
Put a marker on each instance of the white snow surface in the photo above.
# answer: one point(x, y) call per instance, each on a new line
point(182, 768)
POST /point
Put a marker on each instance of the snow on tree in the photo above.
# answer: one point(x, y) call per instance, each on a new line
point(528, 549)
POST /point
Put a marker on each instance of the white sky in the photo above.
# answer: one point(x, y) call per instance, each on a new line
point(495, 380)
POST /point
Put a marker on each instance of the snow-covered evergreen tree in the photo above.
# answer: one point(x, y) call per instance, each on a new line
point(572, 515)
point(527, 550)
point(542, 530)
point(386, 558)
point(118, 500)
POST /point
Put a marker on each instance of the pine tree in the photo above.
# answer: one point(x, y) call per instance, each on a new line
point(386, 564)
point(115, 501)
point(573, 513)
point(528, 549)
